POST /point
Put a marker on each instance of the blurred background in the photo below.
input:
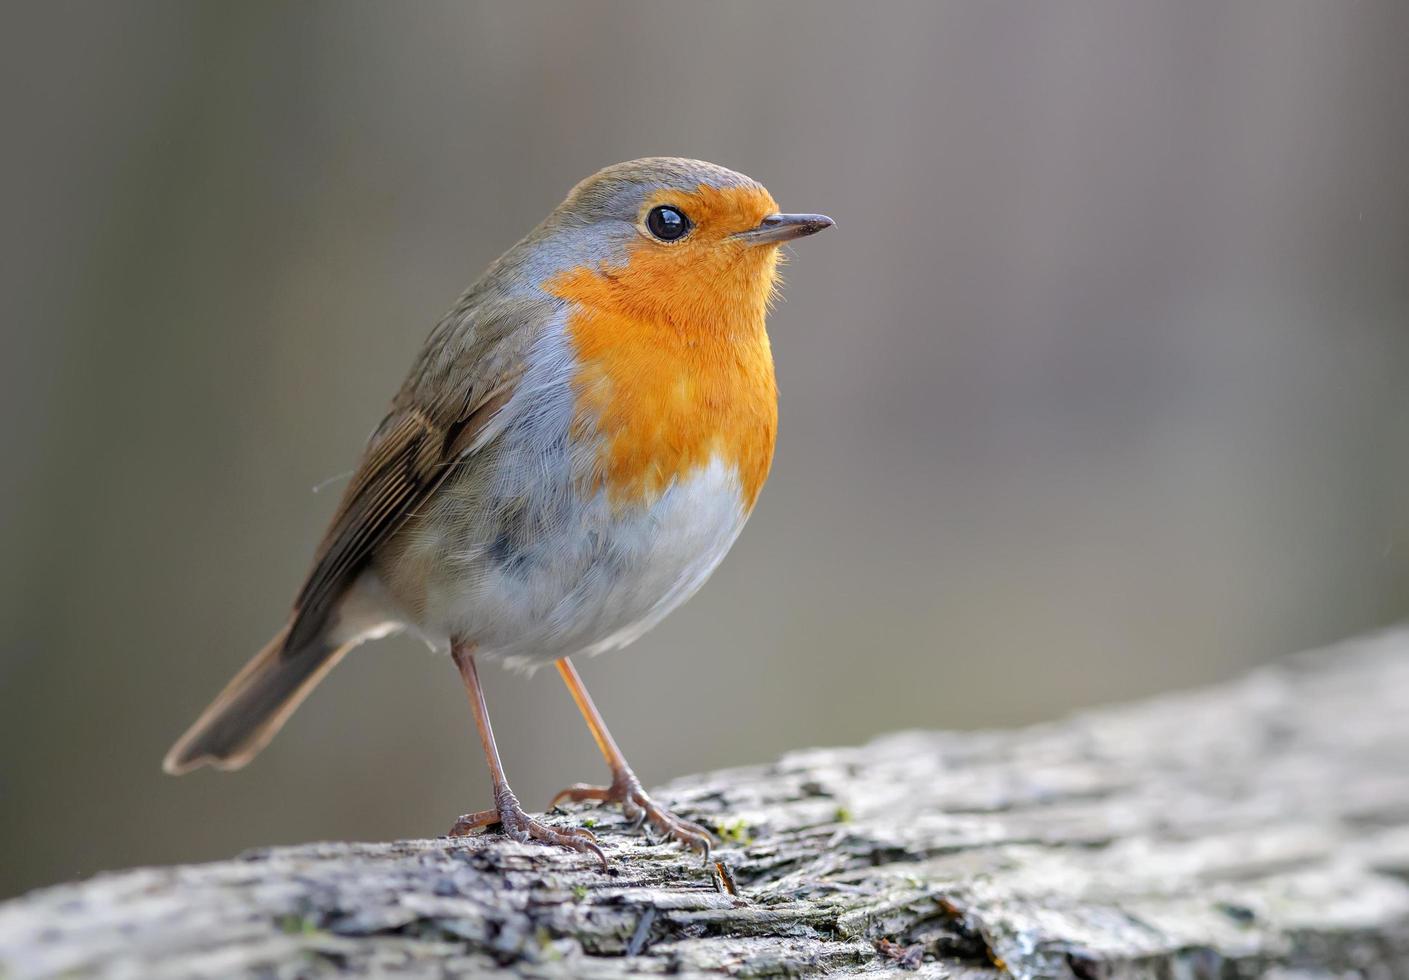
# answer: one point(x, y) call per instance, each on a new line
point(1098, 389)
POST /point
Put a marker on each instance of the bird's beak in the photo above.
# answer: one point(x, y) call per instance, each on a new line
point(784, 228)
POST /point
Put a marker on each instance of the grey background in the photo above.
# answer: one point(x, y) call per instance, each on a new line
point(1096, 390)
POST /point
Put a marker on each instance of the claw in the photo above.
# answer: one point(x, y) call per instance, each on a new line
point(471, 822)
point(582, 832)
point(642, 812)
point(515, 823)
point(634, 811)
point(579, 792)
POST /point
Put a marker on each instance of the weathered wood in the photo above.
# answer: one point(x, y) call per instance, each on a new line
point(1260, 828)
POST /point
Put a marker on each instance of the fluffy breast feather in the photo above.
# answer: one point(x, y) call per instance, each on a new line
point(666, 398)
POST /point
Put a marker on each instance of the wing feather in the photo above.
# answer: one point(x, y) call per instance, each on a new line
point(437, 424)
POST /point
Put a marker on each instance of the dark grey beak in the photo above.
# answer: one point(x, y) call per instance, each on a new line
point(784, 228)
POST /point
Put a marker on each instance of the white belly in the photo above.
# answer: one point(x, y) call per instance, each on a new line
point(582, 580)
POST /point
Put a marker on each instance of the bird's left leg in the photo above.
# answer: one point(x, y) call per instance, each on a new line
point(506, 813)
point(625, 788)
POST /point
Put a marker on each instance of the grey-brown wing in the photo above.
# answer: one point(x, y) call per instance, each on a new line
point(408, 457)
point(466, 372)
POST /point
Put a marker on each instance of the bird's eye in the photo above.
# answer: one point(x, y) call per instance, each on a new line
point(667, 223)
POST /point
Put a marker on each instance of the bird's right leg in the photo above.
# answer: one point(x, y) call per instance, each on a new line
point(507, 814)
point(625, 788)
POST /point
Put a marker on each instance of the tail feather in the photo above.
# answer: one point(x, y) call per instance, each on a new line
point(254, 705)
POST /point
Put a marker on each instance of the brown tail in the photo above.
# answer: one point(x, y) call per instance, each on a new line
point(253, 706)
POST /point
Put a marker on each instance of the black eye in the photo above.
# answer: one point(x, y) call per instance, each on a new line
point(667, 223)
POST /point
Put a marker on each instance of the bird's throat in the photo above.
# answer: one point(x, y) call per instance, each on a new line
point(666, 396)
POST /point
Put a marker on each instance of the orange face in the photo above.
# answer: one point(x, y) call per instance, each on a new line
point(674, 363)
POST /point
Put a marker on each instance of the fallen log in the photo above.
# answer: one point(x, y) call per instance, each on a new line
point(1258, 828)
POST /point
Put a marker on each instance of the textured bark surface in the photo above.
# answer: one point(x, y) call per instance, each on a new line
point(1260, 828)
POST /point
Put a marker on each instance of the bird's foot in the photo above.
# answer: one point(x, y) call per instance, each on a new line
point(511, 819)
point(639, 808)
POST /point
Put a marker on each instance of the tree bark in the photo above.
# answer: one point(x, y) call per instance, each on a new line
point(1259, 828)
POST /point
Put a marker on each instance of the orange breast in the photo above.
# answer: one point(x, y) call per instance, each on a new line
point(667, 393)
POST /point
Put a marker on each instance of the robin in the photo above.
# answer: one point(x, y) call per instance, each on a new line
point(575, 449)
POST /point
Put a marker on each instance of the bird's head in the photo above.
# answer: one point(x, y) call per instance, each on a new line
point(672, 240)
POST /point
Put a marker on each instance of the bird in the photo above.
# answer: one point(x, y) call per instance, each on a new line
point(574, 450)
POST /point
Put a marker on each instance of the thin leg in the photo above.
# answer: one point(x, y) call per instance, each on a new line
point(625, 788)
point(507, 813)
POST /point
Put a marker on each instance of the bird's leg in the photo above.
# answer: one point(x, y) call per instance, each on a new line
point(507, 814)
point(625, 788)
